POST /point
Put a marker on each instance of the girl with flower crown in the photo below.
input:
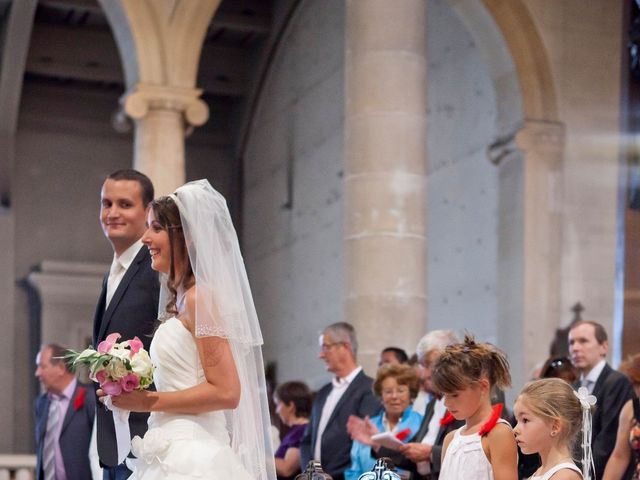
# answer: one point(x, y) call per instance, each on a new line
point(484, 448)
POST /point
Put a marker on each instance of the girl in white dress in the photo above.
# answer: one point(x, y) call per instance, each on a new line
point(549, 418)
point(484, 448)
point(209, 416)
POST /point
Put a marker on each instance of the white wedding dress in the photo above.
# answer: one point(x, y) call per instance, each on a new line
point(181, 446)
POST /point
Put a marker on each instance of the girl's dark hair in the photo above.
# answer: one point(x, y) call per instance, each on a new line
point(464, 363)
point(167, 215)
point(298, 393)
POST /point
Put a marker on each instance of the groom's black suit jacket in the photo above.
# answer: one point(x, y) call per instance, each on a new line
point(132, 312)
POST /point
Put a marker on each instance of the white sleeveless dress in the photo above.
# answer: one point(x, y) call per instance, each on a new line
point(465, 458)
point(182, 446)
point(555, 469)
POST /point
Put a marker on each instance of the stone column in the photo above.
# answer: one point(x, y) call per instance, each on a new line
point(530, 243)
point(160, 45)
point(162, 115)
point(385, 174)
point(68, 292)
point(542, 144)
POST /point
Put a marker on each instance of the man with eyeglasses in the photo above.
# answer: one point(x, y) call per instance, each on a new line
point(349, 393)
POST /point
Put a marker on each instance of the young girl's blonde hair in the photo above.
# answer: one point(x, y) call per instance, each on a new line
point(554, 399)
point(464, 363)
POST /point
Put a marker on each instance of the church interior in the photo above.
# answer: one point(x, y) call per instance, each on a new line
point(402, 166)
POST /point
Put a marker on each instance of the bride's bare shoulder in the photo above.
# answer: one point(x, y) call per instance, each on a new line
point(188, 315)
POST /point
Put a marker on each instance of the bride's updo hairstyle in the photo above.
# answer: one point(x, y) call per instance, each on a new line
point(553, 399)
point(463, 364)
point(167, 215)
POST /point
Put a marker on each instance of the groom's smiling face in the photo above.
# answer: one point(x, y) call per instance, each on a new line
point(122, 213)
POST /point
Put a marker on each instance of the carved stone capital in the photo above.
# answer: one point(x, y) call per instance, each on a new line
point(541, 137)
point(144, 97)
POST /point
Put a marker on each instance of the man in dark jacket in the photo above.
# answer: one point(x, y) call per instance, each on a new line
point(350, 393)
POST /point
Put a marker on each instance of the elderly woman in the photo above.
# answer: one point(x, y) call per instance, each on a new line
point(397, 387)
point(626, 453)
point(293, 405)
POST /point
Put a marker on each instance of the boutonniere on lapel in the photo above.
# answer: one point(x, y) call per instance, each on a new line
point(78, 403)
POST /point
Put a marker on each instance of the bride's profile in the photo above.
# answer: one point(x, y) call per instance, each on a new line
point(209, 416)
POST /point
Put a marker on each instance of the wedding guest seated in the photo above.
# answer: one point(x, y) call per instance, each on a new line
point(625, 459)
point(393, 355)
point(293, 405)
point(397, 387)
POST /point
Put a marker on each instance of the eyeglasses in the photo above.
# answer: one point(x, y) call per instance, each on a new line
point(325, 347)
point(401, 390)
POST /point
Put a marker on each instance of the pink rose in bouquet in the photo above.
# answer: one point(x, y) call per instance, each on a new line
point(117, 367)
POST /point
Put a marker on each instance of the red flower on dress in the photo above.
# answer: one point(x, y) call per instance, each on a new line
point(402, 435)
point(489, 424)
point(78, 403)
point(447, 419)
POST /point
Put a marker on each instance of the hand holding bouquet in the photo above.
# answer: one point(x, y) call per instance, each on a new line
point(117, 367)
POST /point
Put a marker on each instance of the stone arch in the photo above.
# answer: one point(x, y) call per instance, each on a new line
point(529, 56)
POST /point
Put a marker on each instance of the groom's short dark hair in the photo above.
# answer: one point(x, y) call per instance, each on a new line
point(145, 182)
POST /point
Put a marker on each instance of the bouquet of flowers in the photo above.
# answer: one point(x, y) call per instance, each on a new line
point(117, 367)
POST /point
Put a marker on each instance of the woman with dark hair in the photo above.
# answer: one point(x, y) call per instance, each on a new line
point(293, 405)
point(560, 367)
point(209, 416)
point(626, 453)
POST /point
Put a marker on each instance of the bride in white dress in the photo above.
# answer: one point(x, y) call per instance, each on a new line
point(209, 416)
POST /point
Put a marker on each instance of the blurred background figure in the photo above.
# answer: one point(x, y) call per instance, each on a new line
point(293, 405)
point(64, 419)
point(560, 367)
point(625, 459)
point(393, 355)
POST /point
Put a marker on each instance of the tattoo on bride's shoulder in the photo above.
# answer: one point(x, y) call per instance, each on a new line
point(213, 350)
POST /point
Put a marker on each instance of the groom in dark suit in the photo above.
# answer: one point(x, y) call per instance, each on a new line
point(326, 438)
point(128, 304)
point(64, 419)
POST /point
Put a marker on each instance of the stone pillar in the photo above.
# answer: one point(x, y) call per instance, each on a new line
point(385, 174)
point(160, 45)
point(530, 242)
point(162, 114)
point(68, 293)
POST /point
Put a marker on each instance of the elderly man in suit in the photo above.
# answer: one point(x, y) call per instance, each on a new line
point(350, 393)
point(421, 455)
point(64, 419)
point(128, 303)
point(588, 348)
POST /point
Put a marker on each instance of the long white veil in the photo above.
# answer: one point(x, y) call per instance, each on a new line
point(224, 308)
